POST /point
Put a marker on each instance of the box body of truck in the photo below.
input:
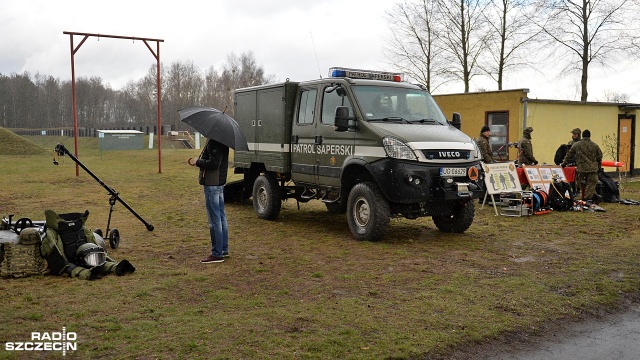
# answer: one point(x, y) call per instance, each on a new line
point(265, 114)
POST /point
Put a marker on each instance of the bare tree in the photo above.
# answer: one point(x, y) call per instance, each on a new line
point(240, 71)
point(591, 32)
point(213, 92)
point(183, 89)
point(45, 102)
point(145, 96)
point(464, 37)
point(615, 96)
point(510, 32)
point(414, 47)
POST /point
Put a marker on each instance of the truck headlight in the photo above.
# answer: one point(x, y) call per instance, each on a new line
point(397, 149)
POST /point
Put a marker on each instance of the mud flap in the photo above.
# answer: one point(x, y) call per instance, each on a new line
point(237, 192)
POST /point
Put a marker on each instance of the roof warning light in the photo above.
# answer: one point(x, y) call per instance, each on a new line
point(364, 74)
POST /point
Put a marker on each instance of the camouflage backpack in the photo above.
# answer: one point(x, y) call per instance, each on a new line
point(22, 258)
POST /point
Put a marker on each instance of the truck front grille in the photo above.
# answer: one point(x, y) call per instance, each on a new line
point(447, 154)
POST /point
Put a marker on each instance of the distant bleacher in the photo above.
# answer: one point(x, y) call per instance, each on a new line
point(183, 137)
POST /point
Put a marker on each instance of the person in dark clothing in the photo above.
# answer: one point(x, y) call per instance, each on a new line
point(526, 149)
point(484, 145)
point(214, 164)
point(485, 151)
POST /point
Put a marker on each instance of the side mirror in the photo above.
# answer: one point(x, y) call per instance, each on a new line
point(342, 119)
point(455, 121)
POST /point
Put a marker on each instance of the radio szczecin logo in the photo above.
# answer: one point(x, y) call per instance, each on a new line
point(46, 341)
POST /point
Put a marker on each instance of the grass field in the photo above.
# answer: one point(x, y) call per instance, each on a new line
point(300, 287)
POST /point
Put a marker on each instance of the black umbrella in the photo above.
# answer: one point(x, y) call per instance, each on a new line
point(215, 125)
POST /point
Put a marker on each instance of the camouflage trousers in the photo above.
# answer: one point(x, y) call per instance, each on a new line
point(85, 273)
point(587, 181)
point(52, 249)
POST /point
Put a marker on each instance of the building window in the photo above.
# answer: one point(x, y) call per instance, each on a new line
point(499, 124)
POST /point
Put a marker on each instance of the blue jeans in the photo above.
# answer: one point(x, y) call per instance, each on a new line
point(218, 228)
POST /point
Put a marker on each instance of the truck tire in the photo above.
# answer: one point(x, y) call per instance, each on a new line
point(459, 220)
point(267, 199)
point(367, 212)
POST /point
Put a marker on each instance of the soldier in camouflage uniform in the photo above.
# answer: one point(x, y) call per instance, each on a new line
point(588, 158)
point(575, 136)
point(526, 149)
point(484, 145)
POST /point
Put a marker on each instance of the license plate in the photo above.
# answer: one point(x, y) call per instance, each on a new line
point(453, 171)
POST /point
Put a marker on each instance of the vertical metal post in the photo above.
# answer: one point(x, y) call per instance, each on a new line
point(73, 96)
point(159, 110)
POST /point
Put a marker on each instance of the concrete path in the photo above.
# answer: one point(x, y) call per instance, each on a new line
point(612, 337)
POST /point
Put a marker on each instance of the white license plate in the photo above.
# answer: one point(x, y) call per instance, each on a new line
point(453, 171)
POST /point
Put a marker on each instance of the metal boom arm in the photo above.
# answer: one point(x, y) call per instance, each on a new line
point(61, 151)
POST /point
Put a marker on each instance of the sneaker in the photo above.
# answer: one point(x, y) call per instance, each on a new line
point(211, 259)
point(226, 255)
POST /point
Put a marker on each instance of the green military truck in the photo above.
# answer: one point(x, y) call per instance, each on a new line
point(363, 142)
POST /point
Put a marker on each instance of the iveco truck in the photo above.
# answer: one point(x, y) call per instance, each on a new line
point(363, 142)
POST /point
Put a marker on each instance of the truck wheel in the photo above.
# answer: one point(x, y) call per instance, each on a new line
point(267, 199)
point(459, 220)
point(367, 212)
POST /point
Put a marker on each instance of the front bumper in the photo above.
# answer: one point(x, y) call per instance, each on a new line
point(406, 182)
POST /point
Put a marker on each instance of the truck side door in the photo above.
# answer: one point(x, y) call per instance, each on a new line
point(332, 147)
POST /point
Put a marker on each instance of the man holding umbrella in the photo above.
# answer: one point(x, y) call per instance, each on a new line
point(223, 132)
point(214, 164)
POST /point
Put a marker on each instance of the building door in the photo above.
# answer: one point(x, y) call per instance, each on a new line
point(499, 124)
point(626, 127)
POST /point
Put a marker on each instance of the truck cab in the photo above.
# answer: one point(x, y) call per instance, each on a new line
point(363, 142)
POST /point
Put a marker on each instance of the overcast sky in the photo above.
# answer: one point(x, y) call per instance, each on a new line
point(296, 39)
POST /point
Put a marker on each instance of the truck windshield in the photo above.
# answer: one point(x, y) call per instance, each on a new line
point(381, 103)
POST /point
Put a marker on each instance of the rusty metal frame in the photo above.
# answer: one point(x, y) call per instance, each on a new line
point(155, 54)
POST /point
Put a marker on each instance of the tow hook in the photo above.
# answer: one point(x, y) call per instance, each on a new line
point(463, 190)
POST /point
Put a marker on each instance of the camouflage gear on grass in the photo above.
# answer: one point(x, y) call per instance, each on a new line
point(60, 252)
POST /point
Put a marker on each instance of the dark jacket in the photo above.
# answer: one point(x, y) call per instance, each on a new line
point(213, 164)
point(526, 151)
point(485, 148)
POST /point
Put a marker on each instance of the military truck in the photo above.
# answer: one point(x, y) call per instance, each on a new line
point(363, 142)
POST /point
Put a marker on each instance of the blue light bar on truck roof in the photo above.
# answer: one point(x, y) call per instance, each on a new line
point(364, 74)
